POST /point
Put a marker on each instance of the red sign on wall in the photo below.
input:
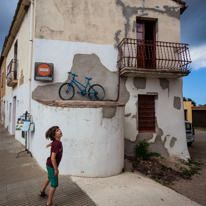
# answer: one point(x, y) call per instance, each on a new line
point(43, 71)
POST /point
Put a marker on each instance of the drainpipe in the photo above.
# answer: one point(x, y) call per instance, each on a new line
point(30, 61)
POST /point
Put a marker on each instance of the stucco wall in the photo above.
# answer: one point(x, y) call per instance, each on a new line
point(23, 52)
point(170, 136)
point(104, 22)
point(21, 107)
point(84, 59)
point(93, 139)
point(81, 36)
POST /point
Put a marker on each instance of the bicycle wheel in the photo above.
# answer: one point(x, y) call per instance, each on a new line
point(66, 91)
point(96, 92)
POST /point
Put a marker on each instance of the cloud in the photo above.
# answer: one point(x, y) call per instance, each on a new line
point(198, 56)
point(7, 10)
point(193, 22)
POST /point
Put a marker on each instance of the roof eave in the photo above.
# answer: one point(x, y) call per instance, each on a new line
point(184, 7)
point(21, 10)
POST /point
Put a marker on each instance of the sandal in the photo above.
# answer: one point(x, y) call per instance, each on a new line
point(42, 194)
point(50, 204)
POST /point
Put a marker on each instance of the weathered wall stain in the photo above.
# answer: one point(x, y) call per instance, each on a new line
point(128, 11)
point(117, 33)
point(109, 112)
point(170, 11)
point(134, 26)
point(137, 116)
point(172, 141)
point(129, 145)
point(158, 144)
point(140, 82)
point(89, 65)
point(123, 94)
point(49, 91)
point(127, 115)
point(164, 83)
point(46, 30)
point(177, 103)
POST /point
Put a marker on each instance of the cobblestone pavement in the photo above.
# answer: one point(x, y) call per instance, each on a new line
point(195, 189)
point(22, 178)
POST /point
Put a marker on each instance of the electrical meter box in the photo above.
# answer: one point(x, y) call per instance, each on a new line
point(43, 71)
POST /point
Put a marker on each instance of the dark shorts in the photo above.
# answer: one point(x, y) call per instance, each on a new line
point(53, 179)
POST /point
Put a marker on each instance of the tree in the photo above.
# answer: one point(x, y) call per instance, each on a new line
point(189, 99)
point(200, 105)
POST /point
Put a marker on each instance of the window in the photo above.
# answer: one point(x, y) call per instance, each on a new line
point(146, 113)
point(188, 126)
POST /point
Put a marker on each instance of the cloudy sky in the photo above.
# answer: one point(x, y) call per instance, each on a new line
point(193, 27)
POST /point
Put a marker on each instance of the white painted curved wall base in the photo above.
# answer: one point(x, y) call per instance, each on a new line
point(93, 146)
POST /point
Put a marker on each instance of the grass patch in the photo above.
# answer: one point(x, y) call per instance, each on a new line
point(163, 182)
point(200, 128)
point(195, 167)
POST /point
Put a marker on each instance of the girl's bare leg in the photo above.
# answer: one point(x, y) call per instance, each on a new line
point(51, 194)
point(46, 182)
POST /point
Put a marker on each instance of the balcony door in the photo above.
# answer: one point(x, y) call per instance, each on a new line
point(146, 52)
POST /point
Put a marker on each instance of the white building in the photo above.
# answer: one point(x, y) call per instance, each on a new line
point(132, 48)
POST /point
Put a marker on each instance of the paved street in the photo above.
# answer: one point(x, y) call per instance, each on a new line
point(22, 178)
point(195, 189)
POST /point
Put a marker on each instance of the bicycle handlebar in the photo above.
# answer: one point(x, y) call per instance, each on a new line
point(73, 74)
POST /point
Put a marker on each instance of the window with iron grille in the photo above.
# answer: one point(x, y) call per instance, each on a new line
point(146, 113)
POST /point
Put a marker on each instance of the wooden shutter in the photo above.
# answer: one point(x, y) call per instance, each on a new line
point(146, 113)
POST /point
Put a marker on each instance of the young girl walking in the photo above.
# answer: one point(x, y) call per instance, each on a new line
point(54, 134)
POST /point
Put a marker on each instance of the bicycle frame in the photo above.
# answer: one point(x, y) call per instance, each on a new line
point(74, 81)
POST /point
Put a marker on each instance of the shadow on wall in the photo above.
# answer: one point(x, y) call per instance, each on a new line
point(84, 65)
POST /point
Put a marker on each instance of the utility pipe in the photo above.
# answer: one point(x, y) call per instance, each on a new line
point(30, 61)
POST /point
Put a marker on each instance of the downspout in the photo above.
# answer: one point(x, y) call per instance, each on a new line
point(30, 62)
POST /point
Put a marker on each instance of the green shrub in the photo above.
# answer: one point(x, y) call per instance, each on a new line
point(141, 150)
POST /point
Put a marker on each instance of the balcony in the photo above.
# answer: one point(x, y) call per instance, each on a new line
point(12, 73)
point(146, 58)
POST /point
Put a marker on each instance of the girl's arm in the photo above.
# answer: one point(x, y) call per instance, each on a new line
point(49, 145)
point(54, 163)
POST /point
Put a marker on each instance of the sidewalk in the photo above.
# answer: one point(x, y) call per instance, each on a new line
point(22, 178)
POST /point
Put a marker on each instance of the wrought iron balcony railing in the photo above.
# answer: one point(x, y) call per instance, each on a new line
point(147, 54)
point(12, 73)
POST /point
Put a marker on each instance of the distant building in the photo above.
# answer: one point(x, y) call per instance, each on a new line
point(195, 114)
point(188, 110)
point(132, 48)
